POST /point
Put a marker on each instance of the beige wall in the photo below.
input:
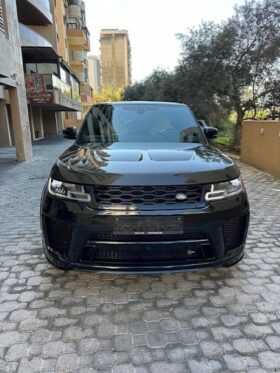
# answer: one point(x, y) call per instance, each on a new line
point(62, 43)
point(261, 145)
point(115, 59)
point(48, 32)
point(56, 33)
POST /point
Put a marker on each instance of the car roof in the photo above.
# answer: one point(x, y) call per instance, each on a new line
point(115, 103)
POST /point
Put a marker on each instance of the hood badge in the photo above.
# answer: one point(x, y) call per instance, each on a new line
point(181, 196)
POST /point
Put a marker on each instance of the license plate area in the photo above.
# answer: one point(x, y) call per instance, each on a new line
point(142, 225)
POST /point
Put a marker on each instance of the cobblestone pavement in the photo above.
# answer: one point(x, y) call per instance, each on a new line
point(223, 320)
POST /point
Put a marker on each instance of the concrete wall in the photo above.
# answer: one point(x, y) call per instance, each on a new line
point(36, 122)
point(16, 84)
point(5, 51)
point(49, 122)
point(261, 145)
point(55, 33)
point(5, 135)
point(2, 93)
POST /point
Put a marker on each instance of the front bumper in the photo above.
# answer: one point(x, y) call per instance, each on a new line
point(76, 236)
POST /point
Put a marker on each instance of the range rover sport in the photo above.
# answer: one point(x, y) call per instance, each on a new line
point(141, 191)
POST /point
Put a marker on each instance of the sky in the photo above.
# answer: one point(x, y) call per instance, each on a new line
point(152, 26)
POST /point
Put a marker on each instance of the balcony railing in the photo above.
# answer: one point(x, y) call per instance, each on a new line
point(53, 82)
point(30, 38)
point(77, 56)
point(79, 36)
point(49, 89)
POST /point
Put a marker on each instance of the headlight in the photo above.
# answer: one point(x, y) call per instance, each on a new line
point(225, 190)
point(66, 190)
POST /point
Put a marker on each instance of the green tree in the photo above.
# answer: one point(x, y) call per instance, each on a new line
point(156, 87)
point(180, 87)
point(271, 101)
point(108, 94)
point(236, 57)
point(229, 66)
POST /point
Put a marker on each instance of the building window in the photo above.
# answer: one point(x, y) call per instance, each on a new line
point(3, 17)
point(41, 68)
point(73, 25)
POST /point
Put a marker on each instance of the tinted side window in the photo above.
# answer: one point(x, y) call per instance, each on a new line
point(98, 126)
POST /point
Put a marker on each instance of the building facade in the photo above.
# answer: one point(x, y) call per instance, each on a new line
point(14, 121)
point(94, 73)
point(44, 82)
point(115, 58)
point(79, 45)
point(52, 87)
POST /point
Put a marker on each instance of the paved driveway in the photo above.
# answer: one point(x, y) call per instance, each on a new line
point(223, 320)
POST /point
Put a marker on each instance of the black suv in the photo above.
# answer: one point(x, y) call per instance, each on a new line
point(141, 190)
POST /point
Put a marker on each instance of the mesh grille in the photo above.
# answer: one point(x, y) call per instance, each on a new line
point(59, 235)
point(234, 231)
point(146, 195)
point(156, 255)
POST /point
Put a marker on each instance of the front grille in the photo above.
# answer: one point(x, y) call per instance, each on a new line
point(106, 196)
point(148, 256)
point(59, 236)
point(234, 232)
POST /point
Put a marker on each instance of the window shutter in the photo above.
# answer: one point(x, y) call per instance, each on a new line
point(2, 26)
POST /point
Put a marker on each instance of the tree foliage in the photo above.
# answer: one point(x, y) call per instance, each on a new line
point(233, 65)
point(108, 94)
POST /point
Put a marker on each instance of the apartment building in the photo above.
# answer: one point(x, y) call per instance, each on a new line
point(52, 87)
point(94, 73)
point(79, 46)
point(115, 58)
point(14, 121)
point(44, 83)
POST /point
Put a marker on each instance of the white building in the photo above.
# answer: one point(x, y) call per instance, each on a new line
point(94, 73)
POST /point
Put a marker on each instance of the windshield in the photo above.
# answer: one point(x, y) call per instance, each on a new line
point(140, 123)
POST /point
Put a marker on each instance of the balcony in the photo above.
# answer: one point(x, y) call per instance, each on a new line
point(34, 46)
point(79, 37)
point(51, 92)
point(74, 10)
point(77, 58)
point(80, 73)
point(34, 12)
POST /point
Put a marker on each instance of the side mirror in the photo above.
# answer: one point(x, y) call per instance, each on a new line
point(211, 132)
point(69, 133)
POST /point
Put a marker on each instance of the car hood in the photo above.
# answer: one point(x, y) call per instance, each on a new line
point(144, 164)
